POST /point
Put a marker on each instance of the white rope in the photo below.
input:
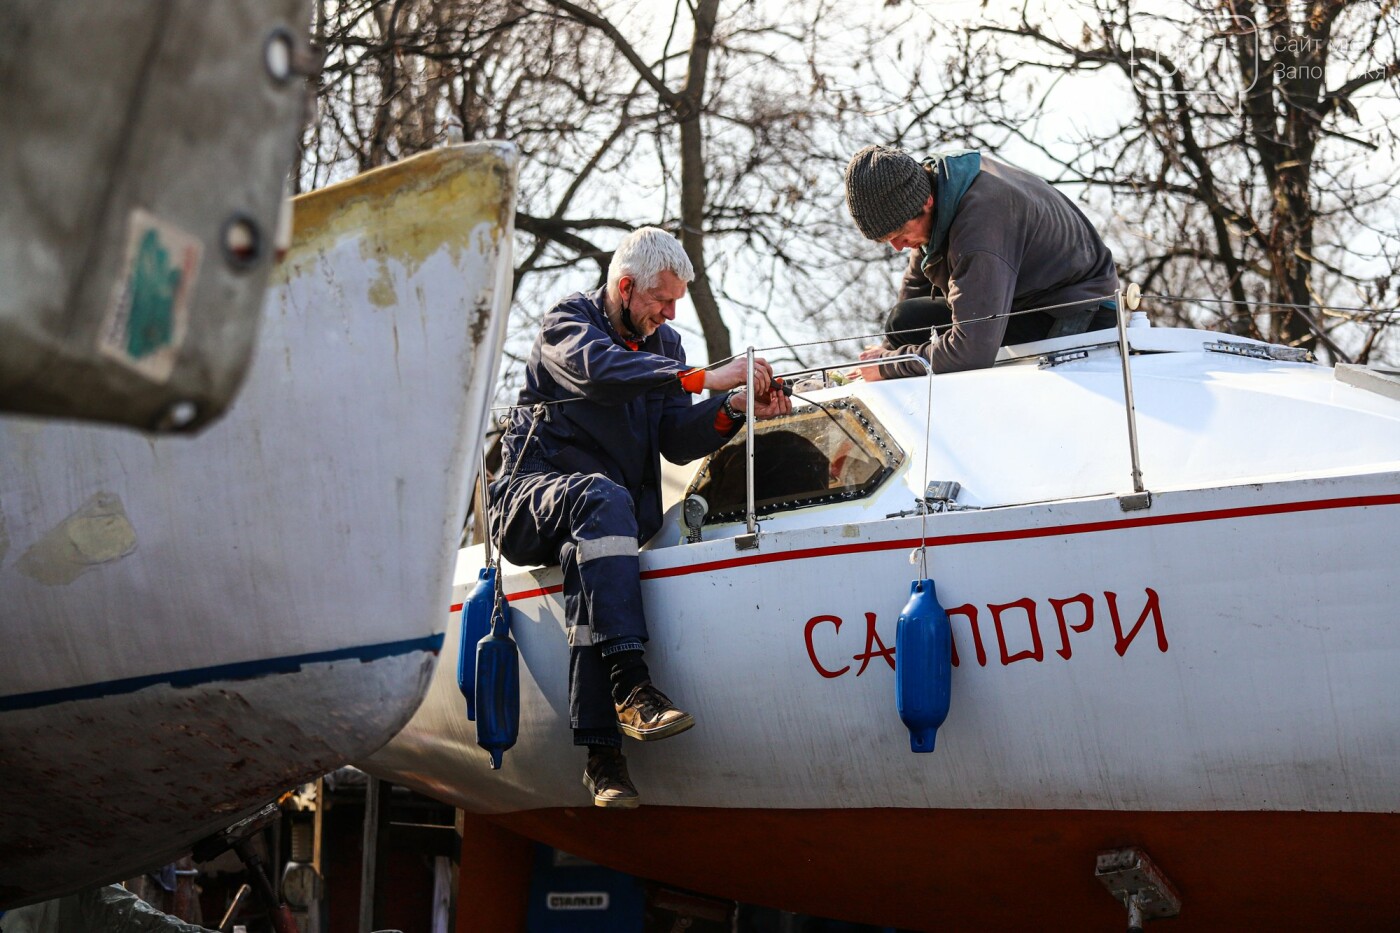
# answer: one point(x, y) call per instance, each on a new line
point(923, 493)
point(486, 498)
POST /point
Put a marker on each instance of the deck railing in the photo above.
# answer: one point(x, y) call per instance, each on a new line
point(1126, 301)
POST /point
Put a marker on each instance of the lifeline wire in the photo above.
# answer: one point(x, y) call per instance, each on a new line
point(831, 340)
point(994, 317)
point(936, 327)
point(1272, 304)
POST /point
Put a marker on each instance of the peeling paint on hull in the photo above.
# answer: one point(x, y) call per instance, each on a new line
point(175, 764)
point(97, 533)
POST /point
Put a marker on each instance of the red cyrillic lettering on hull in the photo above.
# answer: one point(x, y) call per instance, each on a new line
point(877, 647)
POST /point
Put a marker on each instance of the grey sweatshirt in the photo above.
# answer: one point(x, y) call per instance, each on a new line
point(1015, 242)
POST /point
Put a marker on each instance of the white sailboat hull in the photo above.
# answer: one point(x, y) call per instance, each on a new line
point(193, 625)
point(1211, 678)
point(785, 656)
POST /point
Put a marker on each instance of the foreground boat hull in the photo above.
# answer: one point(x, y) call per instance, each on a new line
point(193, 625)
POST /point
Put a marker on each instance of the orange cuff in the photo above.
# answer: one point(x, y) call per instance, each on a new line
point(723, 423)
point(693, 381)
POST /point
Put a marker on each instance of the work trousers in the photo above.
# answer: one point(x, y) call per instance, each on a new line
point(588, 525)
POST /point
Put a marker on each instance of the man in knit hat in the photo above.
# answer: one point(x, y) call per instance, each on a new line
point(990, 240)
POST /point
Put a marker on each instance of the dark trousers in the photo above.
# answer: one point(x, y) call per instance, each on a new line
point(911, 322)
point(588, 525)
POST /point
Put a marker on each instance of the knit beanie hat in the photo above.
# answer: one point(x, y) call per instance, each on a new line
point(885, 189)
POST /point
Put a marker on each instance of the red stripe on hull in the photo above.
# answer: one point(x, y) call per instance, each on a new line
point(1008, 870)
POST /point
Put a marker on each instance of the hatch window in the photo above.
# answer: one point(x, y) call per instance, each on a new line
point(817, 454)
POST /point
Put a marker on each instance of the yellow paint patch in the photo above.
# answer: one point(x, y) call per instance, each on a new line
point(407, 211)
point(97, 533)
point(381, 290)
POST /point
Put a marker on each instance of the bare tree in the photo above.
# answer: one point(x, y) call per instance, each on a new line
point(684, 106)
point(720, 125)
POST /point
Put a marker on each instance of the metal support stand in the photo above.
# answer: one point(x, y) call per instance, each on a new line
point(1141, 498)
point(1135, 920)
point(239, 837)
point(372, 899)
point(314, 922)
point(749, 540)
point(1139, 885)
point(277, 911)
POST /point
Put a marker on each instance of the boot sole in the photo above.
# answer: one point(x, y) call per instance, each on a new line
point(663, 732)
point(613, 803)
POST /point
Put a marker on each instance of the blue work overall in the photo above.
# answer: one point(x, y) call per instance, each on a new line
point(585, 492)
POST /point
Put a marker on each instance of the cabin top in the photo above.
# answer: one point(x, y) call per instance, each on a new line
point(1048, 423)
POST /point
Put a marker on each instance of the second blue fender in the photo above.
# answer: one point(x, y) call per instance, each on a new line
point(498, 688)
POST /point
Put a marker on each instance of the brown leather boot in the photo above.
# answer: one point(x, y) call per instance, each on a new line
point(648, 714)
point(606, 777)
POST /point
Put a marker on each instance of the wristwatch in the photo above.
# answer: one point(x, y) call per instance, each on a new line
point(735, 416)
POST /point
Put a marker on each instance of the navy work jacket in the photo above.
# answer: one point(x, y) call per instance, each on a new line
point(631, 408)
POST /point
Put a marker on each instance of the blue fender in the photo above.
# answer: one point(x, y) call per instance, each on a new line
point(498, 688)
point(476, 622)
point(923, 675)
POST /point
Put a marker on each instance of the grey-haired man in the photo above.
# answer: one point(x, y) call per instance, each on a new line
point(990, 239)
point(581, 486)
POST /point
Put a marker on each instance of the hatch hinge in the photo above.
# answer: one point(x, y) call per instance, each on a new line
point(1062, 356)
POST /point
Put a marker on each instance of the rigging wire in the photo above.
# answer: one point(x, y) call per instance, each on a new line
point(1271, 304)
point(943, 328)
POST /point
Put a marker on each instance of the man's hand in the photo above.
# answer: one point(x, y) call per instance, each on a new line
point(870, 373)
point(734, 374)
point(776, 404)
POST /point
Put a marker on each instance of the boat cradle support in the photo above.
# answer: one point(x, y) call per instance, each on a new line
point(1138, 884)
